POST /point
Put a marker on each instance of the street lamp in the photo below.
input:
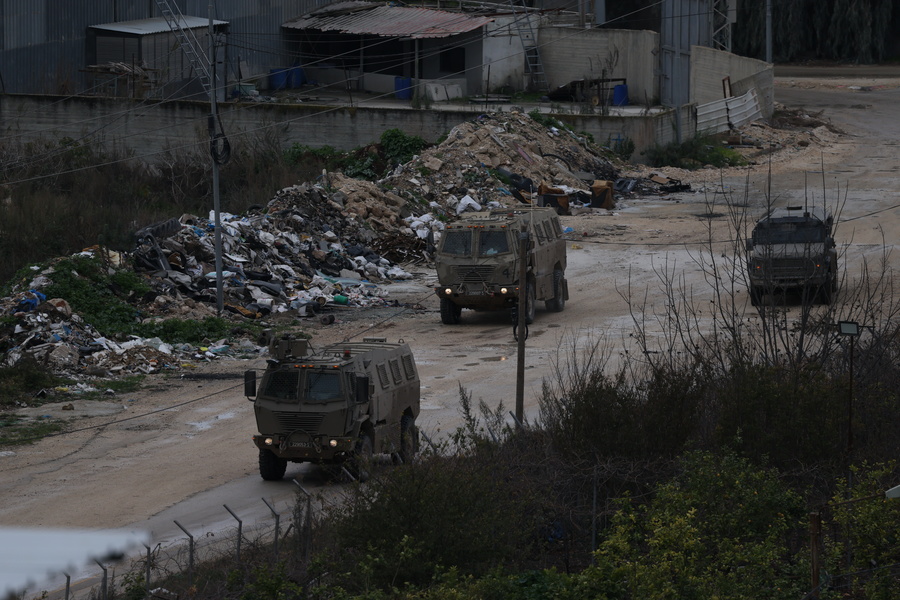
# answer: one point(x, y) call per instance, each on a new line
point(849, 329)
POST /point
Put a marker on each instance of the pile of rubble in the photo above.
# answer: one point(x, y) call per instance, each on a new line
point(317, 245)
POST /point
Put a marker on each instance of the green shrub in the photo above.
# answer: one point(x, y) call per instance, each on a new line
point(410, 524)
point(862, 525)
point(95, 294)
point(621, 147)
point(693, 154)
point(399, 147)
point(720, 529)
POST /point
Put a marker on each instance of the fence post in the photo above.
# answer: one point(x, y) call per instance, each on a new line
point(815, 531)
point(148, 570)
point(277, 519)
point(594, 518)
point(307, 525)
point(68, 584)
point(190, 553)
point(103, 595)
point(240, 528)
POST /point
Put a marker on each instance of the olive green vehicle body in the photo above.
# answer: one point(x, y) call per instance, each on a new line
point(326, 407)
point(477, 261)
point(792, 249)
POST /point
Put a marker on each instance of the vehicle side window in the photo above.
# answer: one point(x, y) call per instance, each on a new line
point(409, 366)
point(395, 370)
point(548, 227)
point(556, 227)
point(457, 242)
point(382, 375)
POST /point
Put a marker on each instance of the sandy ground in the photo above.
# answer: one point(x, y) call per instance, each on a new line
point(181, 448)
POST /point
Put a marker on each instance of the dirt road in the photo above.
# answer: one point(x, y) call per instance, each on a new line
point(181, 448)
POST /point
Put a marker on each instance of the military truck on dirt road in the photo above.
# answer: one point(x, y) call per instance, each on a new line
point(478, 265)
point(336, 407)
point(792, 249)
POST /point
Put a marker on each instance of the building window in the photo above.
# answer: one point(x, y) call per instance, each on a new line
point(453, 60)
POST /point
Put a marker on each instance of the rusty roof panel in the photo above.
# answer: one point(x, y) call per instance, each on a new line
point(366, 18)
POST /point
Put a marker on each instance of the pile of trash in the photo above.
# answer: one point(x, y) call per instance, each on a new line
point(48, 332)
point(307, 252)
point(315, 246)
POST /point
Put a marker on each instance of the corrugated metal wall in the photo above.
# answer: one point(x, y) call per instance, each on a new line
point(42, 43)
point(685, 23)
point(720, 116)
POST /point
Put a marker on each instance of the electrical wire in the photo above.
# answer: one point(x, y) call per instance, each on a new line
point(303, 117)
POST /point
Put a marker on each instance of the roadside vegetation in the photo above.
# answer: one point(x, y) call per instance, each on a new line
point(696, 153)
point(688, 460)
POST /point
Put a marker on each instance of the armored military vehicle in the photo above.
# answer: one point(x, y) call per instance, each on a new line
point(335, 407)
point(477, 262)
point(793, 249)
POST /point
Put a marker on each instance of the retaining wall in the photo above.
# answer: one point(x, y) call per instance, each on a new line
point(149, 128)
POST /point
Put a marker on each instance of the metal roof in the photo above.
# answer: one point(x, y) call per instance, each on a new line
point(155, 25)
point(394, 21)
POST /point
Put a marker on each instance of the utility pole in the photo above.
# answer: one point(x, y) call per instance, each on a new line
point(213, 118)
point(207, 76)
point(520, 325)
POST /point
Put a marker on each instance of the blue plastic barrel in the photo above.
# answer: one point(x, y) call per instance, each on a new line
point(403, 88)
point(298, 77)
point(278, 79)
point(620, 95)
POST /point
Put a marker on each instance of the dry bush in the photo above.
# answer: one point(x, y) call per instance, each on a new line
point(67, 195)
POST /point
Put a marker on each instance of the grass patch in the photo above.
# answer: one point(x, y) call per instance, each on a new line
point(17, 430)
point(186, 331)
point(125, 385)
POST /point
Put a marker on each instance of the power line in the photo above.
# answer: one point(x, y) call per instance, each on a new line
point(296, 119)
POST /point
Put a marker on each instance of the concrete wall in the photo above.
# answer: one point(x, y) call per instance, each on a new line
point(570, 53)
point(646, 131)
point(148, 129)
point(709, 67)
point(504, 64)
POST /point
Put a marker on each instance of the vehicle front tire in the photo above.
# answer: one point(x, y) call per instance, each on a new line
point(271, 467)
point(408, 439)
point(755, 295)
point(558, 302)
point(451, 313)
point(361, 463)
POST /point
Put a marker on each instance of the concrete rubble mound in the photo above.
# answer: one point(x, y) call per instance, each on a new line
point(499, 159)
point(314, 247)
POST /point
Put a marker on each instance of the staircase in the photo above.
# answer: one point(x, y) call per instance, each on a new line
point(532, 51)
point(187, 39)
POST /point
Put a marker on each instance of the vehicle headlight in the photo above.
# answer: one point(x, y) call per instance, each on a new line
point(268, 441)
point(448, 291)
point(333, 443)
point(503, 290)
